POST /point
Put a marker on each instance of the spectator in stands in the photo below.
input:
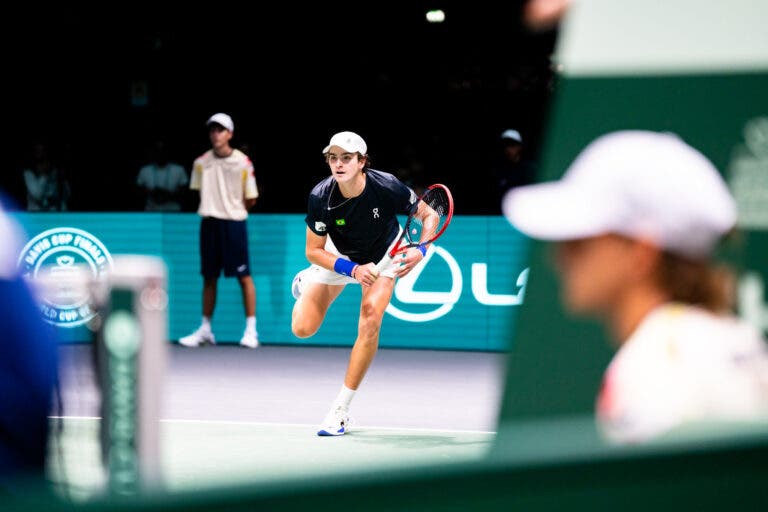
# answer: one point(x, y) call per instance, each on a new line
point(47, 187)
point(162, 182)
point(512, 169)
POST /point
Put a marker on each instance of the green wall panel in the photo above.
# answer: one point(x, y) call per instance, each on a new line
point(475, 270)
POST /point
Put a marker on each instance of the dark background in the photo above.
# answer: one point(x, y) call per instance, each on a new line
point(430, 100)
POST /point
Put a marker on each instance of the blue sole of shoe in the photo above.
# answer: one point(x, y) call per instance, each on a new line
point(326, 433)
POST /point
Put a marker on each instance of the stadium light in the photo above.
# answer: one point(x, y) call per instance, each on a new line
point(436, 16)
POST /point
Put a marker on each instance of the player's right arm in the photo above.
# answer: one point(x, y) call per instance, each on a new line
point(316, 253)
point(315, 250)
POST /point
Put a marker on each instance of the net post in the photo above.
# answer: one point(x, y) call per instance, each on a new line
point(131, 343)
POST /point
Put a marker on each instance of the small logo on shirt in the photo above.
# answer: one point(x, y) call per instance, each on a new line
point(375, 213)
point(319, 226)
point(341, 222)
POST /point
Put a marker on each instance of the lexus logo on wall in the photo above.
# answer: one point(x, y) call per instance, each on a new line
point(444, 300)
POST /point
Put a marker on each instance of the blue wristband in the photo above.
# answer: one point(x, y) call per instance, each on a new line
point(344, 267)
point(423, 249)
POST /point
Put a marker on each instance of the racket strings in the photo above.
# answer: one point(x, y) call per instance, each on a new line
point(438, 200)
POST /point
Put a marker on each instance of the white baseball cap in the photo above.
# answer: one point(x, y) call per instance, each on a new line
point(512, 135)
point(222, 119)
point(348, 141)
point(640, 184)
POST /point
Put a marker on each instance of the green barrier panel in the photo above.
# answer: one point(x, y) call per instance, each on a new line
point(465, 299)
point(552, 466)
point(558, 361)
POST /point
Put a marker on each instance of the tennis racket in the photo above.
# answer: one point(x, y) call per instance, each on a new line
point(430, 217)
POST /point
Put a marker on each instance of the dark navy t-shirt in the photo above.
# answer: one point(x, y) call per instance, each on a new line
point(361, 227)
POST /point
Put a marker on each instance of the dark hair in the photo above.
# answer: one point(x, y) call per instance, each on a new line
point(700, 283)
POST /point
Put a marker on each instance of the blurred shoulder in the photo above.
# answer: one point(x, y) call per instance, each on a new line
point(240, 157)
point(204, 158)
point(693, 330)
point(14, 237)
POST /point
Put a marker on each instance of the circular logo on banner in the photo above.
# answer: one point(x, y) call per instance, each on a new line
point(62, 262)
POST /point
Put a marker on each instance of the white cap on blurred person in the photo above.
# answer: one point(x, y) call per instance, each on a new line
point(512, 135)
point(222, 119)
point(348, 141)
point(640, 184)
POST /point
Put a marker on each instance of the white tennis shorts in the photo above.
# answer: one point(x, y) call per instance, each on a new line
point(318, 274)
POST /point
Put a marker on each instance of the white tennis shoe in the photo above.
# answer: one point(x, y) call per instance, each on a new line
point(201, 336)
point(336, 423)
point(250, 339)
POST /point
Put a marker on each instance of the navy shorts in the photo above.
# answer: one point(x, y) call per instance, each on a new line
point(223, 246)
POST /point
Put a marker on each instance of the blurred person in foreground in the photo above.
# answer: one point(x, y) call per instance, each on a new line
point(636, 218)
point(28, 370)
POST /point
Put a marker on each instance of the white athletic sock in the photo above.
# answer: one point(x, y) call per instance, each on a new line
point(206, 323)
point(250, 323)
point(344, 398)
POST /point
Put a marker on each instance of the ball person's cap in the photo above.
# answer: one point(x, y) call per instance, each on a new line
point(222, 119)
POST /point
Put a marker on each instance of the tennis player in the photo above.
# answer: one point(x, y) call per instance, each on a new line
point(636, 218)
point(351, 224)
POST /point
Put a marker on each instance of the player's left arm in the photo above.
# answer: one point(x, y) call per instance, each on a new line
point(250, 190)
point(412, 256)
point(429, 219)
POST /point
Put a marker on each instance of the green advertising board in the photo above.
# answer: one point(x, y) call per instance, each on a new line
point(465, 297)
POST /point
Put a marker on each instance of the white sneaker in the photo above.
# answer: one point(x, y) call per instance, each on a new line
point(250, 339)
point(299, 283)
point(336, 423)
point(200, 337)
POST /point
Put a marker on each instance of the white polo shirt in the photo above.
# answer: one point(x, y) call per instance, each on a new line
point(224, 184)
point(683, 364)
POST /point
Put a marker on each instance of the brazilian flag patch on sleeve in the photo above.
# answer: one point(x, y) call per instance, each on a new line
point(341, 222)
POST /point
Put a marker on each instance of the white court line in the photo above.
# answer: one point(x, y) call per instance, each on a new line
point(74, 417)
point(303, 425)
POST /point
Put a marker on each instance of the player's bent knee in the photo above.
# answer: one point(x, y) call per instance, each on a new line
point(302, 330)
